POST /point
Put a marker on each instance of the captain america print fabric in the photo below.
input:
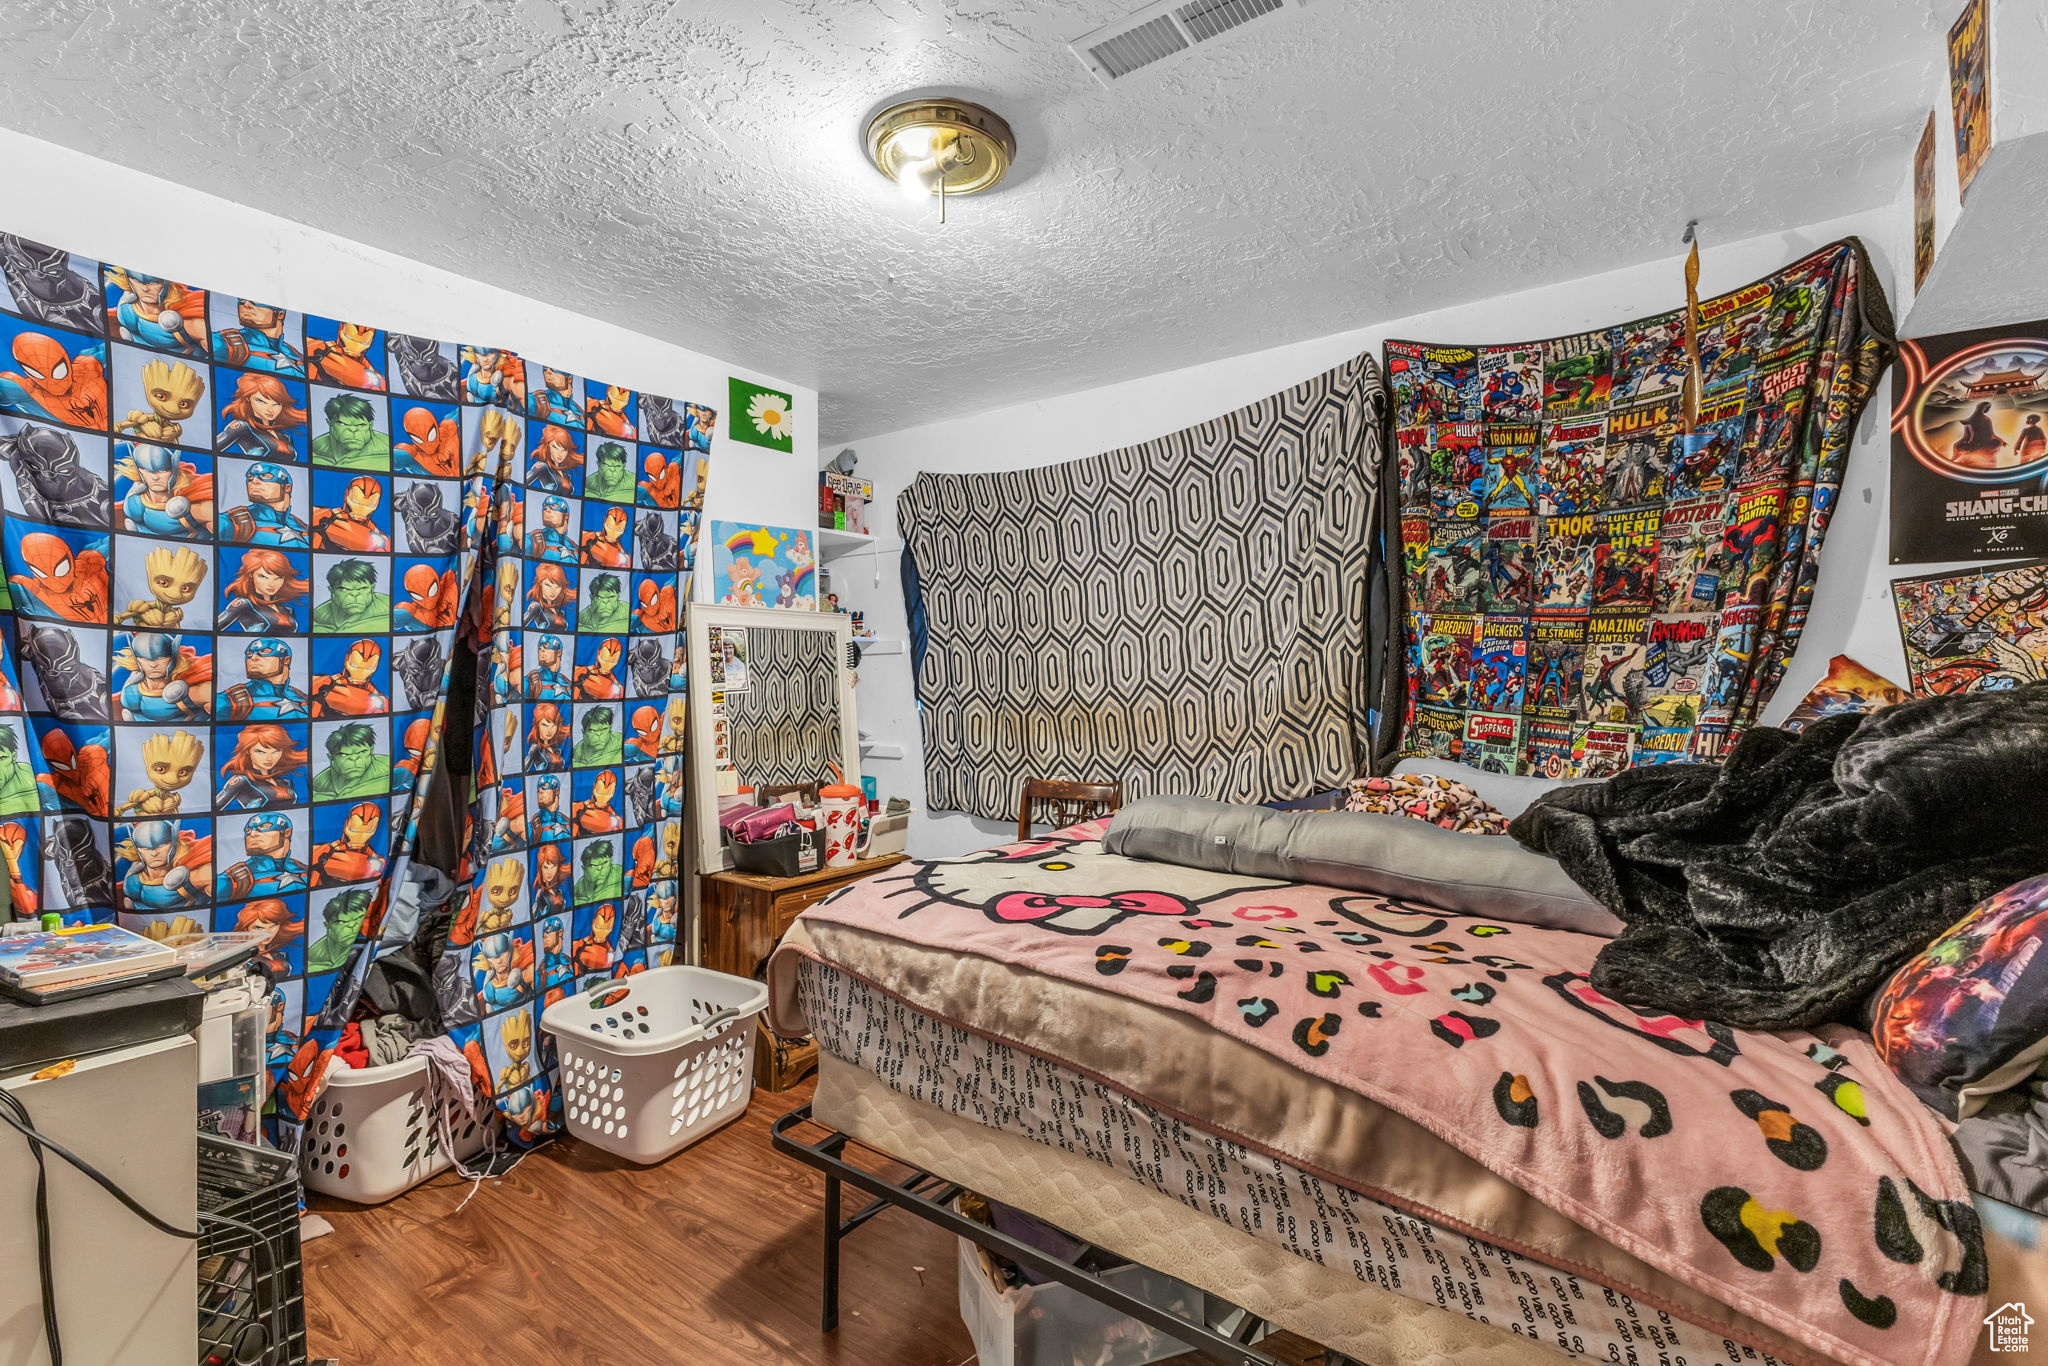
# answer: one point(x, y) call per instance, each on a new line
point(244, 549)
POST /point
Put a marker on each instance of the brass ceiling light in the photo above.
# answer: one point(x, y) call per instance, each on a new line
point(941, 147)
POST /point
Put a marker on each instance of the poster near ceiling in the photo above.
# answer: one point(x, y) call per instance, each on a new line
point(1970, 445)
point(1969, 89)
point(1923, 205)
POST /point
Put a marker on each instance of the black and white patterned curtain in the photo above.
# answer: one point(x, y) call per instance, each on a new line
point(1204, 613)
point(785, 727)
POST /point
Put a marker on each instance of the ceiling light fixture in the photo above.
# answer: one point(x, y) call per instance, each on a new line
point(940, 147)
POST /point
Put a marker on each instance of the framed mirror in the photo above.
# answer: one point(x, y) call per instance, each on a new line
point(771, 709)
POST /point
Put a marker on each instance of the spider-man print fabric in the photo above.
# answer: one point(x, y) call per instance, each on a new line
point(244, 551)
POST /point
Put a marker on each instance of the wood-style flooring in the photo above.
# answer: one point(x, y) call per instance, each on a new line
point(575, 1258)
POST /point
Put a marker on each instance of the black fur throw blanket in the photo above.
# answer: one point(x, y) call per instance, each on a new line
point(1779, 888)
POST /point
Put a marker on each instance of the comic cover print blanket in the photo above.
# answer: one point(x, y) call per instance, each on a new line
point(1590, 589)
point(241, 548)
point(1787, 1174)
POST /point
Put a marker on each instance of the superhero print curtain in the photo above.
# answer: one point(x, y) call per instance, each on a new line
point(244, 550)
point(1588, 586)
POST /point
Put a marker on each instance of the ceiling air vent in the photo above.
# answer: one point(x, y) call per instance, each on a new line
point(1163, 30)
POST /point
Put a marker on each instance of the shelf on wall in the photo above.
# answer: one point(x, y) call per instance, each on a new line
point(880, 749)
point(833, 543)
point(873, 645)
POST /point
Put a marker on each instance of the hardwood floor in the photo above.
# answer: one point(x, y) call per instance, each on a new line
point(578, 1259)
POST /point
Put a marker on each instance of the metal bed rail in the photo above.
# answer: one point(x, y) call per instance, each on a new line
point(930, 1198)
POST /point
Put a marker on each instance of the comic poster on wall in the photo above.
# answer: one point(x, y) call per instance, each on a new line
point(1974, 630)
point(1969, 89)
point(1923, 205)
point(1970, 445)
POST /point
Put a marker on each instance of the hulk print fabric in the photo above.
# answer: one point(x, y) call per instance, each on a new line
point(1590, 588)
point(244, 551)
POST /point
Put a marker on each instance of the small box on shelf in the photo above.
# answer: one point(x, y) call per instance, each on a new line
point(843, 502)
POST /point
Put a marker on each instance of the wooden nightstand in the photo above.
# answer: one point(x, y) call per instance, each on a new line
point(745, 915)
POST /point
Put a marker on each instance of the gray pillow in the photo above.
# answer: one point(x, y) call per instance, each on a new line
point(1483, 875)
point(1507, 793)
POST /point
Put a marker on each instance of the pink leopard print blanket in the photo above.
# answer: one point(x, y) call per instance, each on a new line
point(1788, 1174)
point(1440, 801)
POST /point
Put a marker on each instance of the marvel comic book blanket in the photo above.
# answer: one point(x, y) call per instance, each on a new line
point(243, 548)
point(1589, 588)
point(1788, 1174)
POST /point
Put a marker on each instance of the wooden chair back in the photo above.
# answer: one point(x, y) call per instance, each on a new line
point(1066, 803)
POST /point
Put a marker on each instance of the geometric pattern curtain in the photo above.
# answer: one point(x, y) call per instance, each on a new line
point(1193, 614)
point(787, 719)
point(245, 549)
point(1589, 588)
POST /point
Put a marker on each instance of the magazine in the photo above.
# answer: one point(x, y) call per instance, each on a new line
point(52, 958)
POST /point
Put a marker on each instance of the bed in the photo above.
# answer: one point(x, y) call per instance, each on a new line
point(1159, 1129)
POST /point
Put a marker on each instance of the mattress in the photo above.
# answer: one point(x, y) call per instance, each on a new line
point(1347, 1270)
point(1384, 1282)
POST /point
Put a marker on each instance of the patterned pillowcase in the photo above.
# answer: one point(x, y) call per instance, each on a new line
point(1849, 687)
point(1969, 1016)
point(1444, 802)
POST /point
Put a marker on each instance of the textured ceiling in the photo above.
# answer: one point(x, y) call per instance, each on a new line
point(691, 168)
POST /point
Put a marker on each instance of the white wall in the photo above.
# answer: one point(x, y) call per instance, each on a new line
point(1851, 614)
point(97, 208)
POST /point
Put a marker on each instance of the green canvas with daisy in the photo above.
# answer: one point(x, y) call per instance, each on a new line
point(762, 416)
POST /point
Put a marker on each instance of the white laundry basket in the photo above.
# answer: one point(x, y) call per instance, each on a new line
point(653, 1062)
point(371, 1134)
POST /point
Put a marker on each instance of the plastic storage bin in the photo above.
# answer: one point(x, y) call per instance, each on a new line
point(887, 835)
point(653, 1062)
point(1052, 1325)
point(371, 1134)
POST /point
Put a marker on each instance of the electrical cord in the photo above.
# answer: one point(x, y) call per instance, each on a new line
point(15, 1115)
point(35, 1149)
point(19, 1119)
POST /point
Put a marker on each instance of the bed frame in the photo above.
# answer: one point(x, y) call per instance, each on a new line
point(930, 1198)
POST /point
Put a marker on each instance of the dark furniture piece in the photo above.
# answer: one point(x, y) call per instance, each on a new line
point(745, 915)
point(1066, 803)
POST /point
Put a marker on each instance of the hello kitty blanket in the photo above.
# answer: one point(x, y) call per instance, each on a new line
point(1787, 1174)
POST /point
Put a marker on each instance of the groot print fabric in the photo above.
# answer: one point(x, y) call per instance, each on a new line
point(243, 547)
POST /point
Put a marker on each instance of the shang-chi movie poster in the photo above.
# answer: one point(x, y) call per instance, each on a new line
point(1970, 445)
